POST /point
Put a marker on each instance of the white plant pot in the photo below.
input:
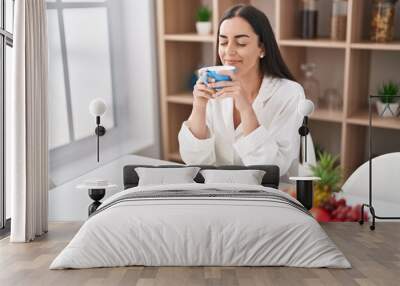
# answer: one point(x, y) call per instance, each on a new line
point(203, 28)
point(387, 109)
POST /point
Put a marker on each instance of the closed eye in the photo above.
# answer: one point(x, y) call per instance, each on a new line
point(239, 44)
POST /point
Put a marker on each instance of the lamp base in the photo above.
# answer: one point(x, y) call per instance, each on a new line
point(96, 195)
point(305, 193)
point(304, 190)
point(100, 130)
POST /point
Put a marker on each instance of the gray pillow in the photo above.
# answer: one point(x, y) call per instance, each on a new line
point(248, 177)
point(163, 176)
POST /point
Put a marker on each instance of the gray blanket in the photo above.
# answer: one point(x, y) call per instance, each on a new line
point(207, 194)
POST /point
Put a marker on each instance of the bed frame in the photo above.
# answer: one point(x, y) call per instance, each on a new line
point(270, 179)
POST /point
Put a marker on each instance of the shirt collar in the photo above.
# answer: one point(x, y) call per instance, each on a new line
point(268, 88)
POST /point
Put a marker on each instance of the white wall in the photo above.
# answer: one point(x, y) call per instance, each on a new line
point(132, 123)
point(67, 203)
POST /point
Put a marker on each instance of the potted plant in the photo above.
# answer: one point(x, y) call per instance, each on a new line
point(387, 105)
point(203, 24)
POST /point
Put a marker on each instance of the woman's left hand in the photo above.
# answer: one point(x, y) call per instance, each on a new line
point(232, 89)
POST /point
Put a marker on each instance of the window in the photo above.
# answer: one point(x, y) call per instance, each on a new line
point(95, 49)
point(79, 68)
point(6, 43)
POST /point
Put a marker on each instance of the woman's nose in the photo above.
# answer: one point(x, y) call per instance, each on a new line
point(230, 49)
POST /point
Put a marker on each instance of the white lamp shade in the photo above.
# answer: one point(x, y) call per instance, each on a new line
point(97, 107)
point(306, 107)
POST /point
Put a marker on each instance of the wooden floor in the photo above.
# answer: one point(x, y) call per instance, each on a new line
point(374, 255)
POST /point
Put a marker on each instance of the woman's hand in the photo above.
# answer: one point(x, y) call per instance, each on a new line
point(201, 94)
point(197, 119)
point(235, 90)
point(232, 89)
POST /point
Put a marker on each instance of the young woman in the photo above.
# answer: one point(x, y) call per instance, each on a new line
point(252, 119)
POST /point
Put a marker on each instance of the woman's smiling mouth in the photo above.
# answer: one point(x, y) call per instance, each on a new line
point(231, 62)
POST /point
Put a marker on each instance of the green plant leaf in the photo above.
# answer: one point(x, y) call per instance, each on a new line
point(203, 14)
point(328, 170)
point(387, 92)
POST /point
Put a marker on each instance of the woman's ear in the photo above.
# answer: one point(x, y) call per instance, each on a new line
point(262, 52)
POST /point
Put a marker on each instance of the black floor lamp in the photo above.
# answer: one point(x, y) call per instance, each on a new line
point(304, 185)
point(96, 188)
point(97, 108)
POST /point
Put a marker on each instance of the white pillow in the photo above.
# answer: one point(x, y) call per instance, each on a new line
point(248, 177)
point(162, 176)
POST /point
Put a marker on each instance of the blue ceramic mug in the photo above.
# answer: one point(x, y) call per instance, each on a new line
point(212, 72)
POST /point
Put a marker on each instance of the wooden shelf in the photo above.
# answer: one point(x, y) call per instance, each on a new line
point(189, 38)
point(314, 43)
point(184, 98)
point(392, 46)
point(175, 156)
point(327, 115)
point(361, 118)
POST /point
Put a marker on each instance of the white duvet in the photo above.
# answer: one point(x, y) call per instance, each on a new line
point(200, 231)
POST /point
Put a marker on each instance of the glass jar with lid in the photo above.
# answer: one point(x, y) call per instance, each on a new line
point(308, 19)
point(311, 84)
point(333, 99)
point(382, 20)
point(339, 20)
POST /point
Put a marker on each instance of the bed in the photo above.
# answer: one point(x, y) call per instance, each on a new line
point(201, 224)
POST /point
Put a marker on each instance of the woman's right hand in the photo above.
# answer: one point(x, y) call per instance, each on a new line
point(201, 93)
point(197, 119)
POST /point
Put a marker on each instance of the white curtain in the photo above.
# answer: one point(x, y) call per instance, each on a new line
point(26, 119)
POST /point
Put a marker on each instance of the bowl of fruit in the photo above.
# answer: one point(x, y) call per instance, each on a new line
point(328, 203)
point(337, 210)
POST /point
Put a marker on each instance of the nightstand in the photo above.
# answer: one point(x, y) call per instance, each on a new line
point(96, 190)
point(304, 190)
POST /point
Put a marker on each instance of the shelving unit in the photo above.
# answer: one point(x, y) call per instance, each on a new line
point(353, 118)
point(327, 115)
point(182, 51)
point(361, 118)
point(189, 38)
point(317, 43)
point(392, 46)
point(181, 98)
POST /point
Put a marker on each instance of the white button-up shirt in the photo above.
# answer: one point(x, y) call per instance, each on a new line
point(276, 141)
